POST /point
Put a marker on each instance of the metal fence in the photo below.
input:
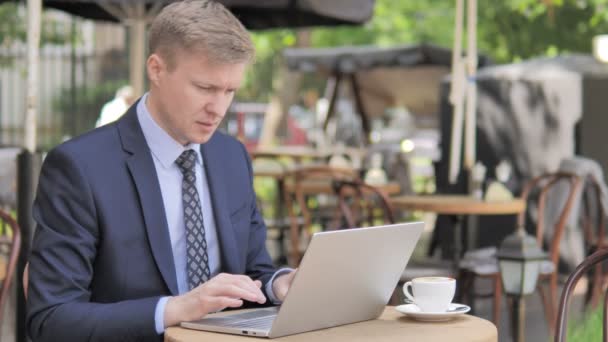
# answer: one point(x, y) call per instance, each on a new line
point(74, 84)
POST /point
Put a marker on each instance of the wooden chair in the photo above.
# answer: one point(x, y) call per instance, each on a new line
point(365, 205)
point(594, 226)
point(535, 191)
point(362, 205)
point(10, 245)
point(562, 315)
point(304, 183)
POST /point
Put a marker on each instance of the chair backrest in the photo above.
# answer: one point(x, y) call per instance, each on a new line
point(10, 245)
point(593, 222)
point(538, 190)
point(363, 204)
point(562, 313)
point(302, 183)
point(315, 180)
point(594, 216)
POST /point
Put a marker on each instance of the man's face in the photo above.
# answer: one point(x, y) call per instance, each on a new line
point(190, 101)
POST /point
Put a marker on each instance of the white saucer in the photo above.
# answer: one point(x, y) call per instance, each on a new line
point(413, 311)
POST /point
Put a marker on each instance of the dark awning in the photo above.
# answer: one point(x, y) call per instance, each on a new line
point(349, 59)
point(406, 75)
point(255, 14)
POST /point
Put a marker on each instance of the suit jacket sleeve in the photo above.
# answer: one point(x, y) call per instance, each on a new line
point(59, 304)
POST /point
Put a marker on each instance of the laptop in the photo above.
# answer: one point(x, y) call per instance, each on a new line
point(345, 276)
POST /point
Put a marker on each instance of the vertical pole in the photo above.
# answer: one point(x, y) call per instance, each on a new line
point(137, 30)
point(25, 188)
point(456, 95)
point(25, 198)
point(34, 7)
point(73, 112)
point(471, 88)
point(518, 319)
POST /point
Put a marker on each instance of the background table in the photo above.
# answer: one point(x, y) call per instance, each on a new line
point(458, 206)
point(391, 326)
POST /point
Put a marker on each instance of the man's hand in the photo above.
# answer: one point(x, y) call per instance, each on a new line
point(220, 292)
point(281, 284)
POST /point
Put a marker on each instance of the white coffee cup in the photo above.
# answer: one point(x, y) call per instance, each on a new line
point(431, 294)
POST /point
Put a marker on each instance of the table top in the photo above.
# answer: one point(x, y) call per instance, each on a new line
point(458, 205)
point(390, 326)
point(307, 152)
point(325, 187)
point(279, 171)
point(289, 151)
point(315, 186)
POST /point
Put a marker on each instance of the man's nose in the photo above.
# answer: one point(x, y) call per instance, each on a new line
point(219, 104)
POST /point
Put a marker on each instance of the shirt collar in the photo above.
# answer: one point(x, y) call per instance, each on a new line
point(161, 144)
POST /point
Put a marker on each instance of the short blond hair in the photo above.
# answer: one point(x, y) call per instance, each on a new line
point(200, 26)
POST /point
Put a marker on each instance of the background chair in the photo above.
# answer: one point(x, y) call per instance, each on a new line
point(362, 205)
point(562, 316)
point(10, 245)
point(483, 264)
point(310, 199)
point(594, 226)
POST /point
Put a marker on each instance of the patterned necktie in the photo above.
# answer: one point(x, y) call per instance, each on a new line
point(197, 265)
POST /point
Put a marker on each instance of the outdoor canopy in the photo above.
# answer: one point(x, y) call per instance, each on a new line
point(258, 14)
point(405, 75)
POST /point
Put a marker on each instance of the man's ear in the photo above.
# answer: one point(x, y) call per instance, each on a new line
point(155, 66)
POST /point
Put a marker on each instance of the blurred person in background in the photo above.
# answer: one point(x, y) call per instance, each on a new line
point(115, 108)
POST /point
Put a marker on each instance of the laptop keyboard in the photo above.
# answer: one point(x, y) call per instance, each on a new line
point(259, 319)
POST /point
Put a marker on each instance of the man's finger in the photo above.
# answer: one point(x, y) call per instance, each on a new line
point(255, 287)
point(235, 291)
point(246, 282)
point(222, 302)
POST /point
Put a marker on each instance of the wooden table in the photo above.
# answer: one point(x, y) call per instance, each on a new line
point(310, 187)
point(295, 152)
point(316, 186)
point(390, 326)
point(458, 206)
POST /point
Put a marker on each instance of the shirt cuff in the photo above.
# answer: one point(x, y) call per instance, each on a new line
point(159, 315)
point(269, 291)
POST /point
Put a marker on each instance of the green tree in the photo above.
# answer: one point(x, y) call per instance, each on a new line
point(13, 23)
point(508, 30)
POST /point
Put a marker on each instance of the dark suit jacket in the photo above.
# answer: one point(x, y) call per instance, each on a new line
point(101, 257)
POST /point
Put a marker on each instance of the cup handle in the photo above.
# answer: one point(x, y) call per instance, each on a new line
point(406, 292)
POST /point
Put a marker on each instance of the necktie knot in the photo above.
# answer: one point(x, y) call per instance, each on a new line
point(186, 161)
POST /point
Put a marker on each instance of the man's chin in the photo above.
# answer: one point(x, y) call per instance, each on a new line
point(201, 139)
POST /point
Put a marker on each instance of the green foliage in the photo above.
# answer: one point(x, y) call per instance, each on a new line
point(13, 26)
point(80, 112)
point(508, 30)
point(589, 329)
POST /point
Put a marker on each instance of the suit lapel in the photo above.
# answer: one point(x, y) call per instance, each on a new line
point(143, 172)
point(217, 191)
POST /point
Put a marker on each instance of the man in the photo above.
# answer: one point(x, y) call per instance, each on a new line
point(113, 110)
point(152, 220)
